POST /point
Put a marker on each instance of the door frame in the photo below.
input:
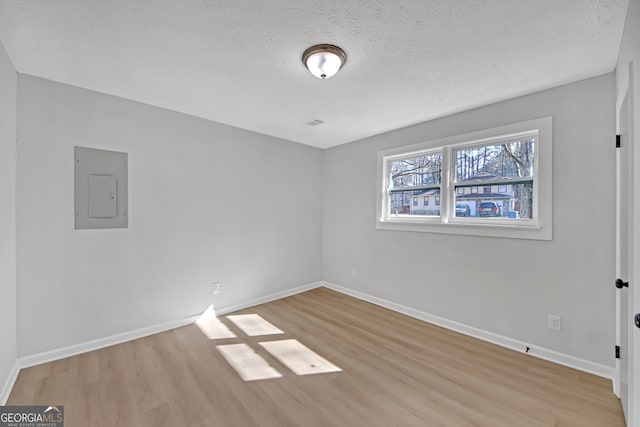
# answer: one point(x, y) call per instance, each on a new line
point(634, 265)
point(623, 300)
point(633, 416)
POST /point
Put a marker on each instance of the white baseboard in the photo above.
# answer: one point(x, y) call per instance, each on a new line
point(513, 344)
point(72, 350)
point(8, 384)
point(267, 298)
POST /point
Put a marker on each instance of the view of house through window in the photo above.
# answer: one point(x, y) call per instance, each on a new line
point(416, 179)
point(492, 182)
point(503, 172)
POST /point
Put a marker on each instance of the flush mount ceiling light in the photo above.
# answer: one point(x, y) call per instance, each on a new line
point(324, 60)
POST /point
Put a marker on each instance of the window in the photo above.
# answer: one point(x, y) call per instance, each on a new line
point(515, 160)
point(412, 175)
point(500, 161)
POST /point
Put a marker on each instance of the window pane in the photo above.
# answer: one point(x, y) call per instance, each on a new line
point(516, 201)
point(414, 202)
point(416, 171)
point(510, 160)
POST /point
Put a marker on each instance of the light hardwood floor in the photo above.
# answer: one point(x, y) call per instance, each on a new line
point(397, 371)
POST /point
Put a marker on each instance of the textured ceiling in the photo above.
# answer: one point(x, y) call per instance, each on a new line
point(238, 61)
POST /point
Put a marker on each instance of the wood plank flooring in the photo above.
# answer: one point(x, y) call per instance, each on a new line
point(396, 371)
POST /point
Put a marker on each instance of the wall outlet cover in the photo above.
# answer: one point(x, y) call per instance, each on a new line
point(555, 322)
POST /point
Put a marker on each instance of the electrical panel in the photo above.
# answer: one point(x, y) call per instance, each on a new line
point(101, 188)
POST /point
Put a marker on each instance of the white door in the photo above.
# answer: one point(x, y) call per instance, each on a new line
point(623, 320)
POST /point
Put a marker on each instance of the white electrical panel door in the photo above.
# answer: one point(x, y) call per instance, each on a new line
point(103, 191)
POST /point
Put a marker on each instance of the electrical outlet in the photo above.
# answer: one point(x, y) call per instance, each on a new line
point(354, 273)
point(555, 322)
point(216, 288)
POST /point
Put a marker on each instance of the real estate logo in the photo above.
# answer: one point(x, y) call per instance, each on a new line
point(31, 416)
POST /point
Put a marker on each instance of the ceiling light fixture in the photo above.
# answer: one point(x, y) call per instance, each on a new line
point(324, 60)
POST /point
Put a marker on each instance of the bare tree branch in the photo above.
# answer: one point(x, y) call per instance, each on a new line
point(522, 168)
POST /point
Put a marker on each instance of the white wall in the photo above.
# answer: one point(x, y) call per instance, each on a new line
point(504, 286)
point(630, 52)
point(207, 202)
point(8, 87)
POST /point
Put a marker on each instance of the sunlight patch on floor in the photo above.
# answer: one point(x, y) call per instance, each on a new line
point(247, 363)
point(254, 325)
point(297, 357)
point(212, 327)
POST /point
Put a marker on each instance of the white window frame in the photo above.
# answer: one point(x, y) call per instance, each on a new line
point(538, 228)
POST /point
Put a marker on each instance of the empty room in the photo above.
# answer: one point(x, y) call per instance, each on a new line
point(306, 213)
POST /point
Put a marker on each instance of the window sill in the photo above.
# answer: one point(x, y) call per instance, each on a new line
point(499, 230)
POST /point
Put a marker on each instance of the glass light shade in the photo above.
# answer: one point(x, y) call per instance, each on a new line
point(324, 61)
point(323, 64)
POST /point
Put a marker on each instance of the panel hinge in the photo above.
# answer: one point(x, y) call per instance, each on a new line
point(617, 352)
point(617, 141)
